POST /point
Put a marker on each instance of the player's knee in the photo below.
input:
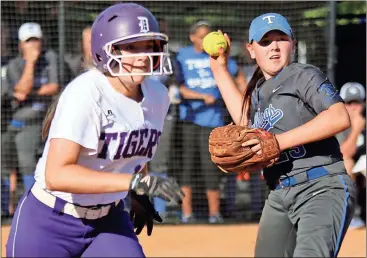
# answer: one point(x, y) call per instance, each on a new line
point(212, 181)
point(212, 185)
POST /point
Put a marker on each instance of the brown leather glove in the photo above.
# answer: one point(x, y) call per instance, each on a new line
point(227, 152)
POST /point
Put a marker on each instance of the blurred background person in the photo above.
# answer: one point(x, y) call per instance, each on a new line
point(83, 61)
point(32, 78)
point(247, 68)
point(353, 140)
point(258, 187)
point(5, 57)
point(8, 182)
point(161, 164)
point(201, 109)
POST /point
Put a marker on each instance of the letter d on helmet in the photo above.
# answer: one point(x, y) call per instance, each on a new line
point(127, 23)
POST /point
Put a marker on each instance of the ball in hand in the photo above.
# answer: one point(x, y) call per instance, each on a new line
point(213, 41)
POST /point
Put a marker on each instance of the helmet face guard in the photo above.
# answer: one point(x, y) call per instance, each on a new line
point(160, 62)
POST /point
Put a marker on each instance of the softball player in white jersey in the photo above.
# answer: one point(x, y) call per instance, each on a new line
point(103, 130)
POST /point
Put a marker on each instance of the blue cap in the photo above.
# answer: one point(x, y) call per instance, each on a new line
point(268, 22)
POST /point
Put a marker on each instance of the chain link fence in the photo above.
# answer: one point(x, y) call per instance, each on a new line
point(63, 23)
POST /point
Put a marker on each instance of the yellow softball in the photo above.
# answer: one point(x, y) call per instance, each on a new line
point(213, 41)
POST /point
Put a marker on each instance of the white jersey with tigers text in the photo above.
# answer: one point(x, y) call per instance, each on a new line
point(117, 134)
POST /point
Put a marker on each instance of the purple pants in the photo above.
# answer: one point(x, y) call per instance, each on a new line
point(40, 231)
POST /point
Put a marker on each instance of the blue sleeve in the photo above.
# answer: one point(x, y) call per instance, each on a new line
point(232, 67)
point(180, 79)
point(316, 90)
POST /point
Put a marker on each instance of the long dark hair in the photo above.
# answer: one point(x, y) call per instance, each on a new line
point(48, 117)
point(246, 104)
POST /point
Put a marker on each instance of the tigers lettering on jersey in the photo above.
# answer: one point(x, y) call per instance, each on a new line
point(136, 143)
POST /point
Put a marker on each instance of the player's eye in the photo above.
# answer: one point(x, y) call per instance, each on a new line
point(150, 46)
point(129, 47)
point(265, 42)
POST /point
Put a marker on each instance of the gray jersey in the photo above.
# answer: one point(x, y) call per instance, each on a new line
point(292, 98)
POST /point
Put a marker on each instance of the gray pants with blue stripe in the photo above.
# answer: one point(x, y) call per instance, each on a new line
point(307, 220)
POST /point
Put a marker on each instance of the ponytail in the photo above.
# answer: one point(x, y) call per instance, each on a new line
point(246, 104)
point(48, 118)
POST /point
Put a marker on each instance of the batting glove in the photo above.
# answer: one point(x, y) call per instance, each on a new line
point(153, 186)
point(142, 213)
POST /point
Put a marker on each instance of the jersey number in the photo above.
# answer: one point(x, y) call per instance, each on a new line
point(294, 153)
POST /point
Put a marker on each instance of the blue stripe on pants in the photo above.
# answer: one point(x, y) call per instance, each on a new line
point(342, 225)
point(5, 196)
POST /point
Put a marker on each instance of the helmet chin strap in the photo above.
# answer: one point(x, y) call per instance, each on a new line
point(140, 91)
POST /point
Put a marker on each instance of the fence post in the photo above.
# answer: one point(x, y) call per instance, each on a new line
point(331, 42)
point(61, 29)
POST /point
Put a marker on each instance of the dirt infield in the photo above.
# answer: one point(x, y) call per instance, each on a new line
point(217, 241)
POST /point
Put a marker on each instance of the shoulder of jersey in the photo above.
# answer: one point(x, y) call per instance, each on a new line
point(156, 87)
point(50, 54)
point(85, 85)
point(306, 68)
point(185, 50)
point(14, 61)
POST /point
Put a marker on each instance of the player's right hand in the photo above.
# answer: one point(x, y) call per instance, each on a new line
point(222, 60)
point(166, 189)
point(358, 122)
point(30, 52)
point(209, 99)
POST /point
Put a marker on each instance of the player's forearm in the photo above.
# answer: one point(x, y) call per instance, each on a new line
point(190, 94)
point(349, 147)
point(230, 93)
point(241, 81)
point(327, 124)
point(25, 84)
point(48, 89)
point(81, 180)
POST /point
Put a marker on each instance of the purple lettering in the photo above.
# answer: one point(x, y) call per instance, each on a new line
point(133, 143)
point(153, 140)
point(119, 149)
point(107, 137)
point(143, 135)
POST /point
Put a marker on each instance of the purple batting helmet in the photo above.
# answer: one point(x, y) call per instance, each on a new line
point(127, 23)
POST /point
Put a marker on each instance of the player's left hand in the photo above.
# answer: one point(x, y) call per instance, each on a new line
point(143, 213)
point(155, 186)
point(255, 146)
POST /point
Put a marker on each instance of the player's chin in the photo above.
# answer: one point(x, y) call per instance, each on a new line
point(137, 74)
point(138, 78)
point(276, 67)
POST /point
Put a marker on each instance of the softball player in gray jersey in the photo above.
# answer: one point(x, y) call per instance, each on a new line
point(311, 201)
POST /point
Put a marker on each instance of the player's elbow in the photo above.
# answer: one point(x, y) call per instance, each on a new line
point(344, 120)
point(51, 180)
point(340, 117)
point(51, 183)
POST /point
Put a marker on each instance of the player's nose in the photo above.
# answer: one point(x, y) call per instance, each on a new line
point(143, 58)
point(274, 45)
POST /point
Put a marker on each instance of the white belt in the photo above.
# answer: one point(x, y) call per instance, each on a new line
point(69, 208)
